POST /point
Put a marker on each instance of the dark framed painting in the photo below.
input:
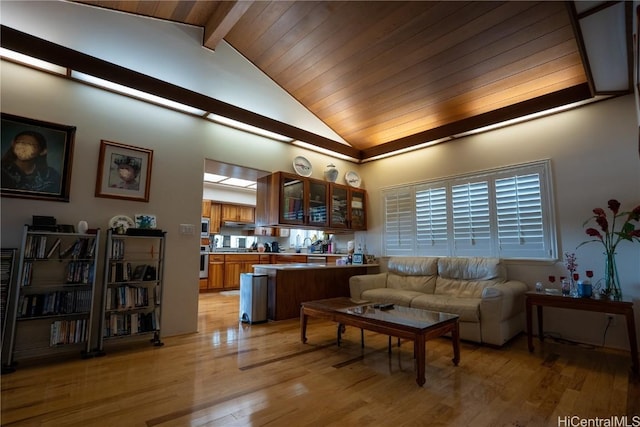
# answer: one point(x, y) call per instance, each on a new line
point(124, 172)
point(36, 158)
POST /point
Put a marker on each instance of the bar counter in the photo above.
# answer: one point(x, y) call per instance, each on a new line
point(289, 285)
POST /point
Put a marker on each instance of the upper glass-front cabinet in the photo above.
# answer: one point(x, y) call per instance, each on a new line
point(285, 199)
point(358, 212)
point(347, 208)
point(303, 201)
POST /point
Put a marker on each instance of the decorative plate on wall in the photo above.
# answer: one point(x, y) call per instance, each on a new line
point(352, 178)
point(302, 166)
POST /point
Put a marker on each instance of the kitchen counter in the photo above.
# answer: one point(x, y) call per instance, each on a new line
point(311, 266)
point(289, 285)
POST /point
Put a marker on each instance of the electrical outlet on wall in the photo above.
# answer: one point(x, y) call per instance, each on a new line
point(611, 319)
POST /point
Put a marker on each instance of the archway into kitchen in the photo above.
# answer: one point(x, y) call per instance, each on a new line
point(230, 239)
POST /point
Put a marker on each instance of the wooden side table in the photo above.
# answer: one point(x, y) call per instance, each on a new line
point(623, 307)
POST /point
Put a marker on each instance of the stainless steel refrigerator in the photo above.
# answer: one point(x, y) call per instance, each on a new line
point(253, 297)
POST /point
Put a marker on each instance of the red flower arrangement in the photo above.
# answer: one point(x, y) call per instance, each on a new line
point(610, 238)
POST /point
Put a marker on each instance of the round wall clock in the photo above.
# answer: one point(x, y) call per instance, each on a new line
point(302, 166)
point(352, 178)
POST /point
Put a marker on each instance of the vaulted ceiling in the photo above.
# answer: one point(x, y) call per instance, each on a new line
point(387, 75)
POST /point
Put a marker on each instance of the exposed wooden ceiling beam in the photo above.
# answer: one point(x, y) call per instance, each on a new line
point(573, 94)
point(222, 20)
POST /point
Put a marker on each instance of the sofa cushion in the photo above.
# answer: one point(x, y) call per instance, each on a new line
point(413, 266)
point(467, 308)
point(412, 273)
point(395, 296)
point(462, 288)
point(424, 284)
point(472, 268)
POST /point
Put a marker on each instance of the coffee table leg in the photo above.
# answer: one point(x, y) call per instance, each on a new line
point(419, 350)
point(455, 339)
point(303, 325)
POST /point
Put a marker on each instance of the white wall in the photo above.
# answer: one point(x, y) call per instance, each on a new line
point(594, 155)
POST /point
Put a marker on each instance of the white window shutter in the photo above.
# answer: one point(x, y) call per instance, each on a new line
point(471, 221)
point(431, 221)
point(506, 213)
point(399, 222)
point(519, 217)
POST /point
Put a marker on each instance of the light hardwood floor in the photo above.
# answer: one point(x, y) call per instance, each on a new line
point(234, 374)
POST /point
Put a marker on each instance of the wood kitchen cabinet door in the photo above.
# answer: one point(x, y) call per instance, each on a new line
point(245, 214)
point(206, 208)
point(216, 272)
point(232, 272)
point(215, 218)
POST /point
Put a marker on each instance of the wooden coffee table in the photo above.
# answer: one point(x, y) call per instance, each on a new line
point(402, 322)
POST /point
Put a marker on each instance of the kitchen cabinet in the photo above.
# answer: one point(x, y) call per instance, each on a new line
point(225, 269)
point(206, 208)
point(215, 217)
point(216, 271)
point(289, 259)
point(238, 213)
point(292, 200)
point(348, 208)
point(234, 265)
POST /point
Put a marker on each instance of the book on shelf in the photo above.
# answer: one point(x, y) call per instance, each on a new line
point(139, 272)
point(53, 248)
point(68, 250)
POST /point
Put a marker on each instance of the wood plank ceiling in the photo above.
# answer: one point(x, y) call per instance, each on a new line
point(391, 73)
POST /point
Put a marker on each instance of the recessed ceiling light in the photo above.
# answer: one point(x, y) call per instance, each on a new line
point(237, 182)
point(210, 177)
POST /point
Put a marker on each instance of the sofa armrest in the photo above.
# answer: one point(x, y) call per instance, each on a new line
point(502, 300)
point(359, 284)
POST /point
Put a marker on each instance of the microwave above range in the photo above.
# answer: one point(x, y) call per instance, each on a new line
point(205, 228)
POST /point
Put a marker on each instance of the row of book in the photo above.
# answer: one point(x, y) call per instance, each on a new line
point(54, 303)
point(126, 272)
point(118, 324)
point(77, 272)
point(124, 297)
point(68, 332)
point(117, 249)
point(36, 248)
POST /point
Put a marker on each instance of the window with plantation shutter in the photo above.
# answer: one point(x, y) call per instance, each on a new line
point(431, 221)
point(519, 213)
point(399, 222)
point(505, 213)
point(471, 230)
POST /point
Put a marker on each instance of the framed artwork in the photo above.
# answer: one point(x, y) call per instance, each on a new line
point(145, 221)
point(124, 172)
point(36, 158)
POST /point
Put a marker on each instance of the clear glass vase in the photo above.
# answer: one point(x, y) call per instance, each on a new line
point(611, 280)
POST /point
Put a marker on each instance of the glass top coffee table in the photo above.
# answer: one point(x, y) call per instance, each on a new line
point(402, 322)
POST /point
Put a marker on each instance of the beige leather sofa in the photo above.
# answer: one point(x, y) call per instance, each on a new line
point(491, 308)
